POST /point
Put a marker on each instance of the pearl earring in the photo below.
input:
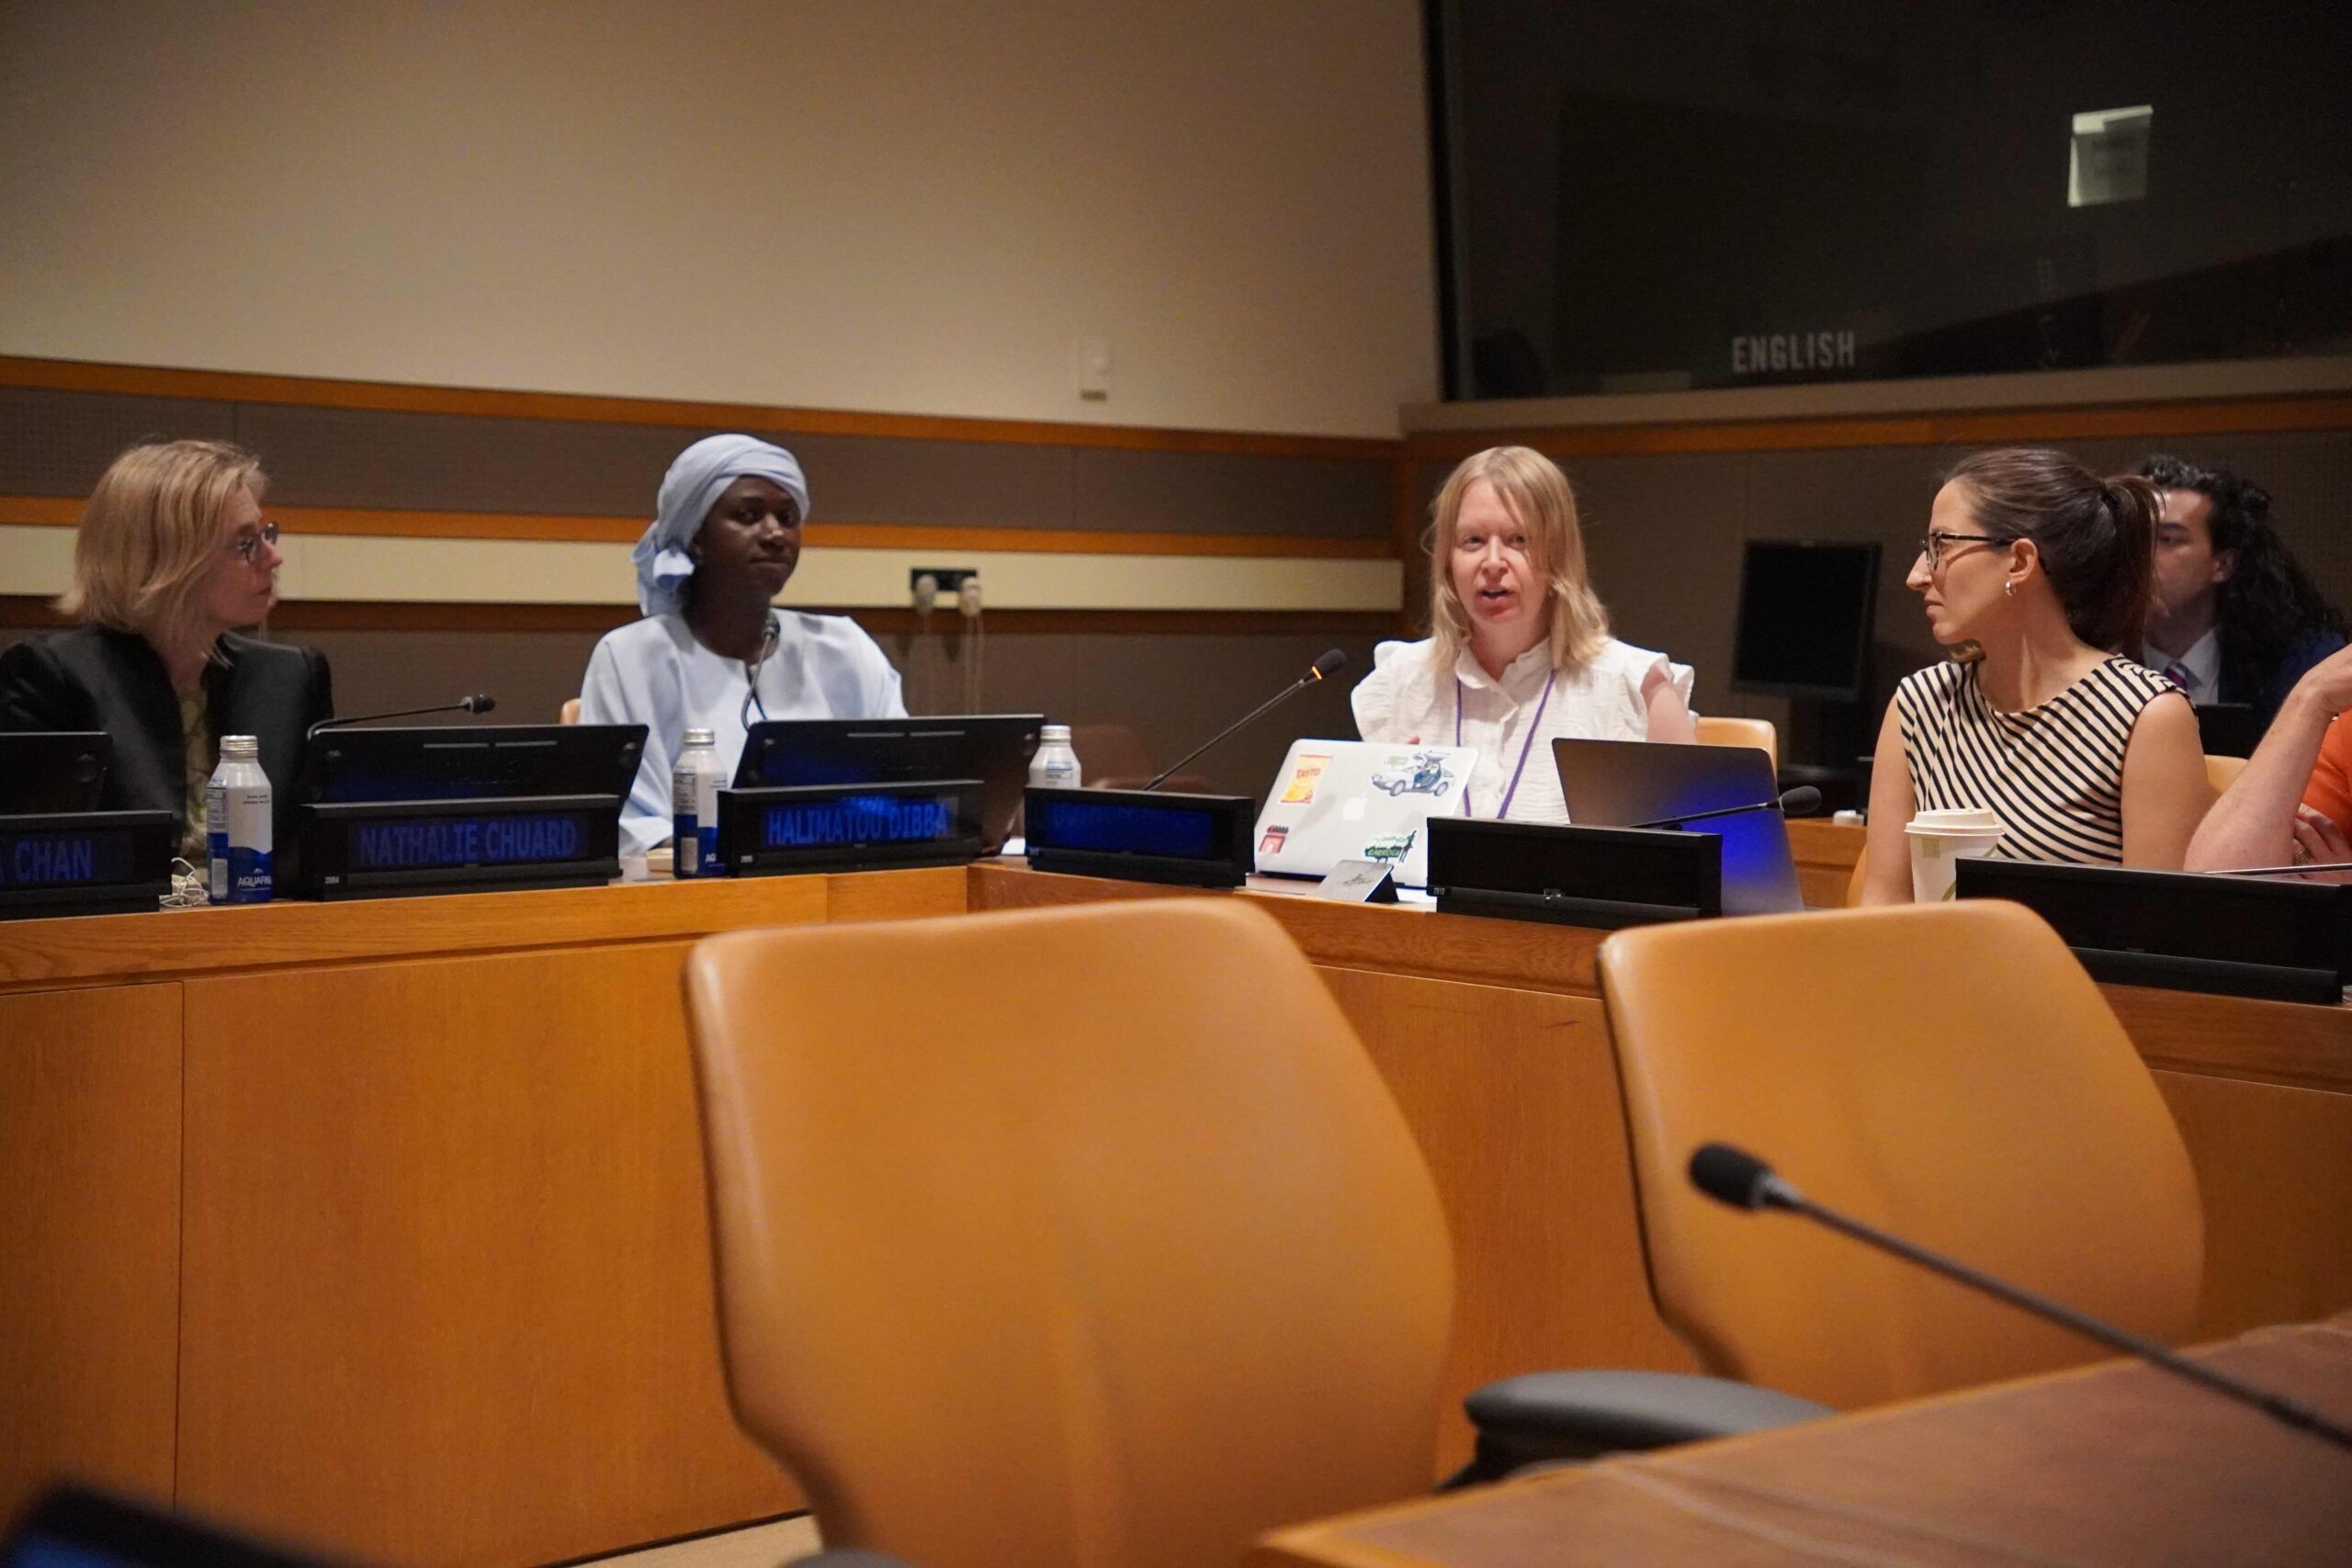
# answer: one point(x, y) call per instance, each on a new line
point(2009, 588)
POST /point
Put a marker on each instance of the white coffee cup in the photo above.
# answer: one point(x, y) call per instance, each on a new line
point(1938, 839)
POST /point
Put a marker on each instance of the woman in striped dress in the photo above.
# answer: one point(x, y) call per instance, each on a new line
point(2082, 754)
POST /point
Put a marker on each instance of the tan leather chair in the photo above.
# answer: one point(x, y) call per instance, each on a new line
point(1948, 1072)
point(1756, 732)
point(570, 710)
point(1063, 1236)
point(2221, 772)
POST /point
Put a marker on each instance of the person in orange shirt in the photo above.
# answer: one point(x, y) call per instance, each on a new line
point(2293, 803)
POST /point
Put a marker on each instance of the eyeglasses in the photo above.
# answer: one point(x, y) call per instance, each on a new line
point(247, 545)
point(1932, 546)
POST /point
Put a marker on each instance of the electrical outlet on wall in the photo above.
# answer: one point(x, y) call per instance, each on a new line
point(947, 579)
point(1091, 359)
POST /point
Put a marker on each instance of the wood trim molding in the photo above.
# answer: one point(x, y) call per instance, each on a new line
point(313, 392)
point(335, 615)
point(2232, 416)
point(48, 512)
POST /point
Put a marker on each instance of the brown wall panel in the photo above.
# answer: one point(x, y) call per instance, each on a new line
point(56, 443)
point(1230, 491)
point(59, 442)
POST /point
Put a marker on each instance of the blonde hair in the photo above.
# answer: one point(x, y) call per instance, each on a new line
point(151, 530)
point(1537, 495)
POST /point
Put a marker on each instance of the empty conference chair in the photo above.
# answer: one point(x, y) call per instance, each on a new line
point(1069, 1236)
point(1948, 1072)
point(1756, 732)
point(1082, 1237)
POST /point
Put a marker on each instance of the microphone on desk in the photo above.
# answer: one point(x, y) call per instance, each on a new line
point(1738, 1179)
point(1332, 659)
point(1802, 801)
point(481, 701)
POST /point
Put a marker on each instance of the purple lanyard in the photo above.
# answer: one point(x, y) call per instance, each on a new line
point(1533, 725)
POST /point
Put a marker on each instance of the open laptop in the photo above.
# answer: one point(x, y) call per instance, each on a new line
point(1622, 784)
point(992, 748)
point(52, 773)
point(470, 761)
point(1338, 800)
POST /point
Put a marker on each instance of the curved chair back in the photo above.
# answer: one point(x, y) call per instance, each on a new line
point(2221, 772)
point(1756, 732)
point(571, 712)
point(1073, 1237)
point(1947, 1072)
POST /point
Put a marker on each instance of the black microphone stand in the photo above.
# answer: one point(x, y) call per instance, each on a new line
point(1310, 678)
point(1770, 1192)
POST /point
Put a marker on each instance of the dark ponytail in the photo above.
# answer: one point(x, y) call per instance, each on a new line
point(2096, 538)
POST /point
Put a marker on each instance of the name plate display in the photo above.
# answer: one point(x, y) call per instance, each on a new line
point(85, 862)
point(853, 826)
point(2283, 940)
point(1602, 877)
point(1192, 840)
point(370, 849)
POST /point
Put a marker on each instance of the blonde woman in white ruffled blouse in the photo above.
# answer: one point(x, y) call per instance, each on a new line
point(1521, 654)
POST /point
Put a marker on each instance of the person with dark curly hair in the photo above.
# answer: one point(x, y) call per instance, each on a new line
point(2233, 616)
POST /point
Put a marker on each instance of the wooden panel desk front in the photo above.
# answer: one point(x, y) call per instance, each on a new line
point(380, 1225)
point(2117, 1464)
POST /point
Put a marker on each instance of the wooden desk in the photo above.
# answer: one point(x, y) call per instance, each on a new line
point(380, 1225)
point(2118, 1464)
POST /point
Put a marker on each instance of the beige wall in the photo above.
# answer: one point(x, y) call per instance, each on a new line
point(889, 205)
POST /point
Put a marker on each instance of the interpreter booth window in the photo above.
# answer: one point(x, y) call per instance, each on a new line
point(1643, 196)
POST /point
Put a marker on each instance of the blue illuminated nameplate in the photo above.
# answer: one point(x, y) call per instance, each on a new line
point(83, 863)
point(354, 848)
point(766, 831)
point(1200, 840)
point(851, 820)
point(447, 842)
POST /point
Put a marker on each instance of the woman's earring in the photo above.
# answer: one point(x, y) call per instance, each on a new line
point(2009, 588)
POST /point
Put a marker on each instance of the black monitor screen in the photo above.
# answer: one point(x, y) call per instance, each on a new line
point(1805, 618)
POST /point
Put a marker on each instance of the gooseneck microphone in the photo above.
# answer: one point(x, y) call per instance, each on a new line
point(1332, 659)
point(1738, 1179)
point(1802, 801)
point(481, 701)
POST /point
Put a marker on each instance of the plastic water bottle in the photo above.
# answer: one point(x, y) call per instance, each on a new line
point(238, 827)
point(1056, 765)
point(695, 781)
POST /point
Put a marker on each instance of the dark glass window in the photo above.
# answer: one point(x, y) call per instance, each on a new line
point(1651, 195)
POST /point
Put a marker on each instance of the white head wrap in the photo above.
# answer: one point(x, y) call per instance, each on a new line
point(689, 490)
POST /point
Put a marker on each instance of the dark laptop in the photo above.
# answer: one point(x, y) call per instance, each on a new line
point(1624, 784)
point(992, 748)
point(52, 774)
point(2227, 730)
point(465, 762)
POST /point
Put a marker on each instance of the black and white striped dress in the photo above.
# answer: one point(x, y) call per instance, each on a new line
point(2053, 773)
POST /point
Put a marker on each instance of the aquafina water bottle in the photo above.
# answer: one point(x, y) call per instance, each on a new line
point(695, 782)
point(237, 824)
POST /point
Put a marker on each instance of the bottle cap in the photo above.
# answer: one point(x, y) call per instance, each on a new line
point(699, 738)
point(240, 746)
point(1052, 732)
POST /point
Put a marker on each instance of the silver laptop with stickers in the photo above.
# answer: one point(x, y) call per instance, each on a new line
point(1338, 800)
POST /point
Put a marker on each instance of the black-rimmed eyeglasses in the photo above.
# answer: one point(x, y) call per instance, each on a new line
point(248, 546)
point(1932, 546)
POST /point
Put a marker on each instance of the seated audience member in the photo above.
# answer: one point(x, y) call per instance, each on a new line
point(1522, 653)
point(2082, 754)
point(171, 559)
point(2234, 618)
point(2293, 803)
point(713, 652)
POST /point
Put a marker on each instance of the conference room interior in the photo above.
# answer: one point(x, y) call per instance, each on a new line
point(385, 1229)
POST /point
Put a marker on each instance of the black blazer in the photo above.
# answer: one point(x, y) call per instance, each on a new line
point(95, 678)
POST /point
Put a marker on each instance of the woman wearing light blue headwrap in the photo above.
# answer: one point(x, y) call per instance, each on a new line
point(713, 651)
